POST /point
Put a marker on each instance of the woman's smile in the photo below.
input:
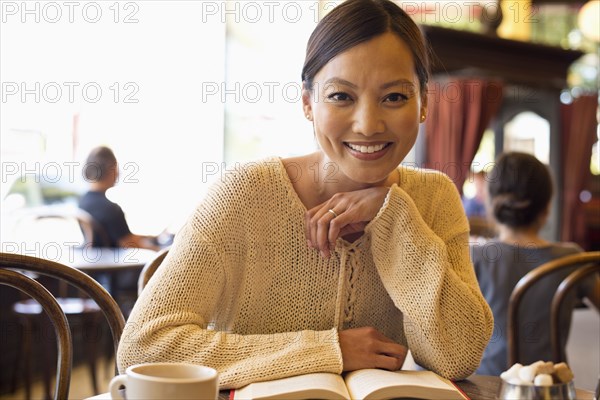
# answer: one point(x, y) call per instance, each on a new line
point(366, 151)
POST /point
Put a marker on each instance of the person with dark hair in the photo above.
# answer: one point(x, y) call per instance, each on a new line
point(101, 171)
point(519, 192)
point(283, 271)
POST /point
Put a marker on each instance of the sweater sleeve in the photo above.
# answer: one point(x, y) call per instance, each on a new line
point(172, 321)
point(430, 278)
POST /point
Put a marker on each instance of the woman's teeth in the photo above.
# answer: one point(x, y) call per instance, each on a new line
point(366, 149)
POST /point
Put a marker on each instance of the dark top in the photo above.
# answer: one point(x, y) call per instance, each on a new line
point(499, 266)
point(474, 207)
point(108, 215)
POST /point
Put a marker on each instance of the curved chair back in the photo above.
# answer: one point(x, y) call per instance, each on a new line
point(68, 218)
point(74, 277)
point(87, 223)
point(560, 295)
point(63, 334)
point(528, 281)
point(91, 229)
point(150, 268)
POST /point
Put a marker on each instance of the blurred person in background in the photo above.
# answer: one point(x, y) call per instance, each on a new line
point(475, 206)
point(519, 192)
point(102, 172)
point(480, 223)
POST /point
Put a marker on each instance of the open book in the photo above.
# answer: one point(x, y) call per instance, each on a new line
point(369, 384)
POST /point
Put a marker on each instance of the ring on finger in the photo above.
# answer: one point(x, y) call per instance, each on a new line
point(332, 212)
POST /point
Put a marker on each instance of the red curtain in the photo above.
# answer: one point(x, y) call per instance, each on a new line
point(459, 111)
point(578, 134)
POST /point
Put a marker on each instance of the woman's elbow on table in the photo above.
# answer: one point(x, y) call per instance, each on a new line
point(130, 350)
point(459, 350)
point(141, 344)
point(456, 364)
point(464, 356)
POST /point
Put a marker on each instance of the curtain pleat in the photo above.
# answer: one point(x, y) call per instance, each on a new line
point(578, 134)
point(459, 112)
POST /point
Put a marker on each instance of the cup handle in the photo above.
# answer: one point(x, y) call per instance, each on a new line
point(117, 381)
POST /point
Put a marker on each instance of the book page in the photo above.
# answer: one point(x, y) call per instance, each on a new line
point(381, 384)
point(309, 386)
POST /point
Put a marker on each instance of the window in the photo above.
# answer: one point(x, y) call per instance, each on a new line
point(529, 133)
point(265, 54)
point(130, 75)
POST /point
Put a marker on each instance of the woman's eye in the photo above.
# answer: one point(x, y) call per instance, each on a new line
point(339, 96)
point(396, 97)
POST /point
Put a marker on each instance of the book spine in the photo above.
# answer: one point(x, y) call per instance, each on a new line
point(453, 384)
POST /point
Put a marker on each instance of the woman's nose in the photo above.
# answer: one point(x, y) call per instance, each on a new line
point(368, 120)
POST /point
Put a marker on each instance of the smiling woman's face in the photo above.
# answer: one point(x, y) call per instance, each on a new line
point(366, 108)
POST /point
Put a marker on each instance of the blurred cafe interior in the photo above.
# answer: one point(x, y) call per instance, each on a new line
point(184, 91)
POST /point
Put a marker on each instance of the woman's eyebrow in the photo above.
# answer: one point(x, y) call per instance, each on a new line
point(340, 81)
point(398, 82)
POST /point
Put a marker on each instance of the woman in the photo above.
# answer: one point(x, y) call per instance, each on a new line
point(333, 261)
point(520, 190)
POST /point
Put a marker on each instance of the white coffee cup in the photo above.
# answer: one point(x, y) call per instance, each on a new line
point(167, 381)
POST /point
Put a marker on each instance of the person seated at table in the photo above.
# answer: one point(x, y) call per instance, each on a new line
point(101, 171)
point(519, 191)
point(281, 272)
point(475, 205)
point(481, 226)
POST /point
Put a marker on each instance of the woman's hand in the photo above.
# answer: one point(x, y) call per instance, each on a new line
point(366, 347)
point(352, 211)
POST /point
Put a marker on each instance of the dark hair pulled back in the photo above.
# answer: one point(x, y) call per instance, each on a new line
point(356, 21)
point(520, 189)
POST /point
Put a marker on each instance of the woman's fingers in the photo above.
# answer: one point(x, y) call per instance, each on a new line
point(322, 234)
point(335, 226)
point(318, 225)
point(391, 363)
point(368, 348)
point(317, 228)
point(342, 214)
point(323, 227)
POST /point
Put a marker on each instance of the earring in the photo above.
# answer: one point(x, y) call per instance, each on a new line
point(308, 117)
point(423, 118)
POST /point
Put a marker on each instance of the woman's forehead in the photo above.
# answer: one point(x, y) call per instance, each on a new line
point(384, 58)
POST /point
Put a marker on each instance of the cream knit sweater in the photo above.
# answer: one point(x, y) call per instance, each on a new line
point(242, 292)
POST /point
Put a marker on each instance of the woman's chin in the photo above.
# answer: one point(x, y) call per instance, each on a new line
point(364, 178)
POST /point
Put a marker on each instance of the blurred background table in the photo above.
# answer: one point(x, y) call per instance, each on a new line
point(117, 269)
point(105, 259)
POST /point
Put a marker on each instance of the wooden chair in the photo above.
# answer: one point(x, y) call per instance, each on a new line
point(11, 262)
point(80, 309)
point(58, 319)
point(527, 281)
point(74, 305)
point(150, 268)
point(558, 300)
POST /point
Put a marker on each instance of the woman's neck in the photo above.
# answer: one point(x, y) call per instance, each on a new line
point(528, 236)
point(329, 181)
